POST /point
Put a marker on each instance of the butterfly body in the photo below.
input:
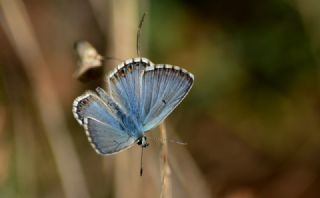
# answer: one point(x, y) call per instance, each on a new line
point(140, 96)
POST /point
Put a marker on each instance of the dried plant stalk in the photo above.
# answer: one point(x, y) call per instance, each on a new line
point(124, 20)
point(20, 32)
point(164, 164)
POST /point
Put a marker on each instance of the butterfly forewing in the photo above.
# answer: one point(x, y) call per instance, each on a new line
point(90, 105)
point(125, 85)
point(169, 85)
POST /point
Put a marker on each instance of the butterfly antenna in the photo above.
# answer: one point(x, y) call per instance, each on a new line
point(141, 168)
point(139, 32)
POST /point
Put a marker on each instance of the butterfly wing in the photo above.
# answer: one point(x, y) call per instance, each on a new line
point(105, 139)
point(149, 92)
point(125, 86)
point(163, 88)
point(103, 121)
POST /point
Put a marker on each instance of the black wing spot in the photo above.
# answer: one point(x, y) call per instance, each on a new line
point(164, 102)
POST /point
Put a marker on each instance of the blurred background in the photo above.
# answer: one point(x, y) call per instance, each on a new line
point(251, 120)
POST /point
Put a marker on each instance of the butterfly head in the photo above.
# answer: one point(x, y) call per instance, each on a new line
point(143, 142)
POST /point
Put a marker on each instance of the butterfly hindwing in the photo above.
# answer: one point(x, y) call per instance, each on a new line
point(104, 121)
point(106, 139)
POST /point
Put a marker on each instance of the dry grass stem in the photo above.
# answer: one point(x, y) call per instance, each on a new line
point(20, 32)
point(164, 164)
point(124, 17)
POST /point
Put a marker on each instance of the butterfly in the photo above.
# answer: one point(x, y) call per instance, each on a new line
point(140, 96)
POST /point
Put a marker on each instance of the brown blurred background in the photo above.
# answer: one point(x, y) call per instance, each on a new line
point(251, 120)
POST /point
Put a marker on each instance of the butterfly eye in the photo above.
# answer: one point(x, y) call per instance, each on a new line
point(139, 142)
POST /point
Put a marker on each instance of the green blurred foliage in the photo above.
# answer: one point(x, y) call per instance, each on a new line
point(257, 79)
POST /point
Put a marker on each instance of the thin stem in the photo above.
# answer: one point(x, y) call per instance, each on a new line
point(164, 164)
point(123, 30)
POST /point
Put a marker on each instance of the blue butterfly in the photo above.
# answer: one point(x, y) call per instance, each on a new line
point(140, 96)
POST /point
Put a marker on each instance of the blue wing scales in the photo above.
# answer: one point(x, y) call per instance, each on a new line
point(125, 86)
point(105, 139)
point(169, 85)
